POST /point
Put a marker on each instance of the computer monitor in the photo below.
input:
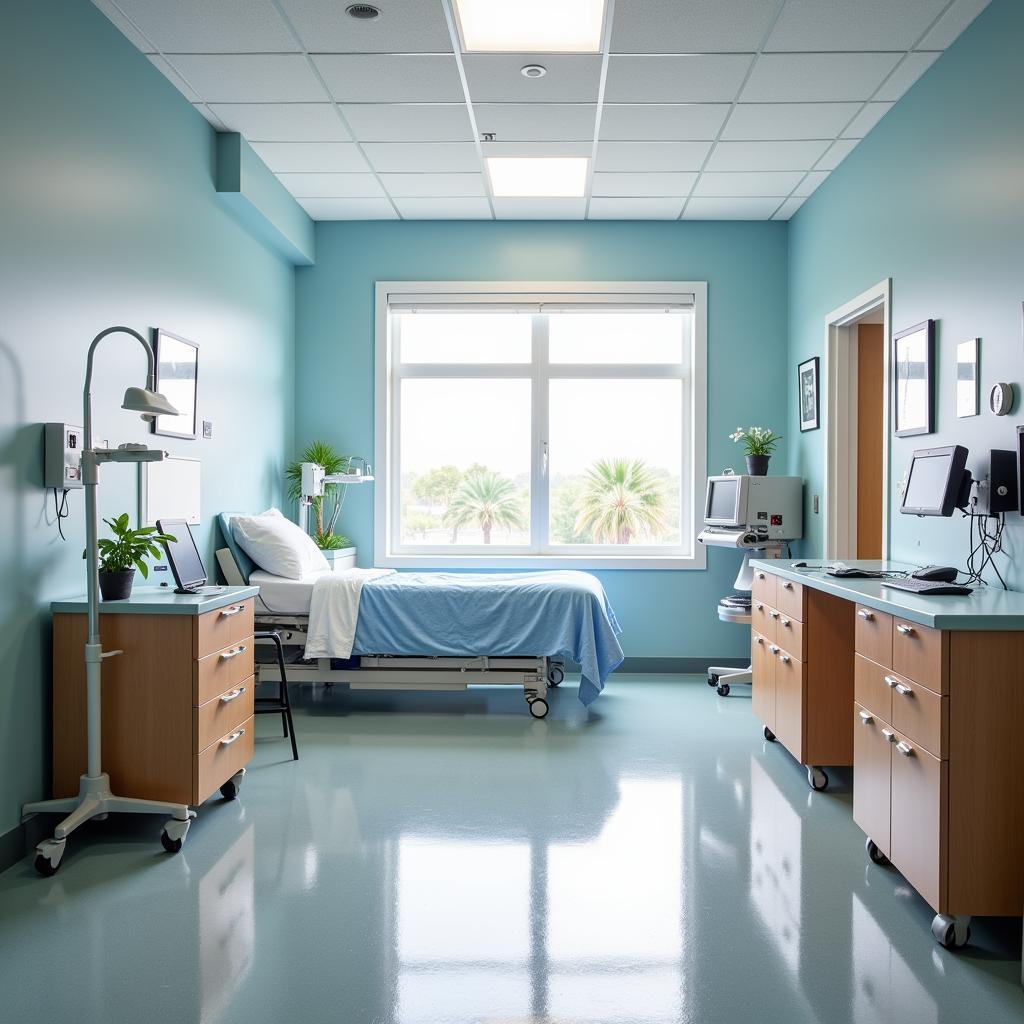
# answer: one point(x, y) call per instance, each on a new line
point(938, 482)
point(722, 505)
point(183, 556)
point(1020, 469)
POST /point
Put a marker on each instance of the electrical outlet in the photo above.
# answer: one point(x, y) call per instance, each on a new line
point(207, 428)
point(814, 504)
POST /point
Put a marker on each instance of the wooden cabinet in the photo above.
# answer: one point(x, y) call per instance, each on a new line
point(874, 635)
point(872, 752)
point(177, 702)
point(789, 703)
point(762, 667)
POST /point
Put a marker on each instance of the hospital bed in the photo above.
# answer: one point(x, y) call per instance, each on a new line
point(445, 631)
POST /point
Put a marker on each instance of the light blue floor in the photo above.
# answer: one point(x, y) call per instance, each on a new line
point(445, 858)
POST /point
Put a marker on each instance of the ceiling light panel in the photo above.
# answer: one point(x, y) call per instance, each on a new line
point(534, 26)
point(537, 177)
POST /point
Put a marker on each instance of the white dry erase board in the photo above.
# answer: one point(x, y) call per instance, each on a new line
point(169, 490)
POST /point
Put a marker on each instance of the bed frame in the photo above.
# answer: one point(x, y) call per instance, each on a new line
point(536, 675)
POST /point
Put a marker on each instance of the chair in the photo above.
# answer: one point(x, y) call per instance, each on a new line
point(281, 704)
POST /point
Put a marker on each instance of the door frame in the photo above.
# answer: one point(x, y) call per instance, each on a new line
point(840, 490)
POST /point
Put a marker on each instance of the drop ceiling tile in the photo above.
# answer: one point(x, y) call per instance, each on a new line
point(757, 121)
point(409, 122)
point(836, 154)
point(635, 209)
point(405, 26)
point(540, 209)
point(788, 208)
point(283, 122)
point(448, 157)
point(134, 36)
point(537, 148)
point(766, 156)
point(952, 23)
point(858, 25)
point(284, 157)
point(438, 186)
point(651, 156)
point(730, 209)
point(349, 209)
point(173, 77)
point(869, 116)
point(391, 77)
point(444, 209)
point(249, 77)
point(622, 185)
point(679, 78)
point(537, 122)
point(913, 67)
point(496, 78)
point(332, 186)
point(806, 77)
point(662, 122)
point(199, 26)
point(811, 181)
point(660, 26)
point(722, 184)
point(210, 116)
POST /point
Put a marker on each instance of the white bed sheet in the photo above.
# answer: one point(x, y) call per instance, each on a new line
point(281, 596)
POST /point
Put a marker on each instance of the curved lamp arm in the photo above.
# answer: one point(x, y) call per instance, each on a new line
point(87, 392)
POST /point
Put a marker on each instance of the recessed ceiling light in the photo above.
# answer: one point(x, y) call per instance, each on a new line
point(533, 71)
point(362, 12)
point(531, 26)
point(535, 176)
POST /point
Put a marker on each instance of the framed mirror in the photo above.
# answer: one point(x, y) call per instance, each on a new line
point(913, 374)
point(177, 378)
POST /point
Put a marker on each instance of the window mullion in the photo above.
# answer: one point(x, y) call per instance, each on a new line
point(538, 462)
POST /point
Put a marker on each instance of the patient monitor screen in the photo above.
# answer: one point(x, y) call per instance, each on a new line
point(722, 500)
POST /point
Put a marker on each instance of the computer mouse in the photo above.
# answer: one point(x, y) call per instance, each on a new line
point(798, 565)
point(938, 573)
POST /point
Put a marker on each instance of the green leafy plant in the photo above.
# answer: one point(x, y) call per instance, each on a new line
point(621, 498)
point(129, 548)
point(756, 440)
point(487, 499)
point(327, 508)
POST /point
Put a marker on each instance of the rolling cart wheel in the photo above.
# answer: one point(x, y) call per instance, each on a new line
point(169, 844)
point(712, 679)
point(945, 932)
point(818, 778)
point(769, 735)
point(723, 689)
point(875, 855)
point(539, 708)
point(45, 866)
point(229, 790)
point(555, 675)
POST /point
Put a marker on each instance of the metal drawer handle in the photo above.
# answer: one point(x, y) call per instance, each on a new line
point(773, 649)
point(228, 655)
point(905, 630)
point(784, 658)
point(786, 623)
point(227, 698)
point(773, 615)
point(233, 738)
point(903, 690)
point(760, 575)
point(891, 682)
point(866, 717)
point(760, 640)
point(759, 606)
point(889, 735)
point(904, 748)
point(866, 615)
point(787, 585)
point(235, 609)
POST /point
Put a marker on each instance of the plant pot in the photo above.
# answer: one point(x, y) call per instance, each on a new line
point(757, 465)
point(116, 586)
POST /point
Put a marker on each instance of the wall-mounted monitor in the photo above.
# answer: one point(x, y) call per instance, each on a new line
point(936, 482)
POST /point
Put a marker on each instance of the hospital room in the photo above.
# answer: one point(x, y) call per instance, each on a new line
point(512, 513)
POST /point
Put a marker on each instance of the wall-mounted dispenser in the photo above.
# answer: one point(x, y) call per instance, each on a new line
point(62, 457)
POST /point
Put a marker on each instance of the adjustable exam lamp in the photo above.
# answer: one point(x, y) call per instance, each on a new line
point(315, 480)
point(94, 797)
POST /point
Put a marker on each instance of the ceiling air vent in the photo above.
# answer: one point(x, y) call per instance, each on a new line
point(363, 12)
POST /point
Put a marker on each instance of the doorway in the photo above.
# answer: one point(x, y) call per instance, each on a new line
point(870, 357)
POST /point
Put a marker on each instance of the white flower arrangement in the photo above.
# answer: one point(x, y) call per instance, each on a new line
point(758, 440)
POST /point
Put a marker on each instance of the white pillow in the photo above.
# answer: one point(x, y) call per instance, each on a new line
point(277, 545)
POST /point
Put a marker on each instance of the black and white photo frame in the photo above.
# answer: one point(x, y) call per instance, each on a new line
point(808, 389)
point(913, 380)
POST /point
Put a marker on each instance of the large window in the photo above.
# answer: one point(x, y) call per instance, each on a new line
point(521, 426)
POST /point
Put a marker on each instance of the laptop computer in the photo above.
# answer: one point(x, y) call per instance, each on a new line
point(184, 558)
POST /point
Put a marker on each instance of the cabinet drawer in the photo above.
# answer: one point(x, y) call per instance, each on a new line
point(222, 670)
point(223, 627)
point(920, 652)
point(790, 599)
point(874, 635)
point(870, 688)
point(789, 703)
point(762, 664)
point(764, 587)
point(789, 635)
point(222, 758)
point(763, 619)
point(223, 714)
point(872, 751)
point(920, 715)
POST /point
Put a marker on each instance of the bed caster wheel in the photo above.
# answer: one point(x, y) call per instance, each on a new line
point(539, 708)
point(555, 676)
point(173, 836)
point(817, 778)
point(769, 735)
point(723, 689)
point(48, 856)
point(951, 932)
point(712, 679)
point(875, 855)
point(232, 787)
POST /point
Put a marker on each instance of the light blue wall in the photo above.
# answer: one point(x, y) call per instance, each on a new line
point(663, 613)
point(934, 199)
point(108, 215)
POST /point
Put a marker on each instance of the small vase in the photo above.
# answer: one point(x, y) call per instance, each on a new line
point(757, 465)
point(116, 586)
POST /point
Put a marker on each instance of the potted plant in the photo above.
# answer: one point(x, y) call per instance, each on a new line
point(327, 508)
point(759, 443)
point(127, 551)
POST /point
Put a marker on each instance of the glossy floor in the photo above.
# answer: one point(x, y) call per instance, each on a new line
point(445, 859)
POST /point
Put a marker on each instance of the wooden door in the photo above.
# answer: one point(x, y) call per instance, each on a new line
point(872, 755)
point(762, 666)
point(870, 432)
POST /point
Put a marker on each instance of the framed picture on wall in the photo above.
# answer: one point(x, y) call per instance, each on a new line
point(177, 378)
point(967, 377)
point(807, 385)
point(913, 375)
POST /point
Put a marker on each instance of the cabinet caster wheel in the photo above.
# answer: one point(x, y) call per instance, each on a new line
point(951, 932)
point(723, 689)
point(555, 675)
point(817, 778)
point(169, 844)
point(539, 708)
point(233, 786)
point(712, 679)
point(49, 854)
point(769, 735)
point(875, 855)
point(173, 836)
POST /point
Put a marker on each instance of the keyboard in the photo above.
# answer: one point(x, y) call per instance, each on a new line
point(931, 588)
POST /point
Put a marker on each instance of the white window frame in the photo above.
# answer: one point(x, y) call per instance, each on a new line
point(386, 426)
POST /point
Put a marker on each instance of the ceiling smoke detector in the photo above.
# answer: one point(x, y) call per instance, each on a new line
point(363, 12)
point(533, 71)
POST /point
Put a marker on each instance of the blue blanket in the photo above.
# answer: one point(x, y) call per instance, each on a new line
point(499, 614)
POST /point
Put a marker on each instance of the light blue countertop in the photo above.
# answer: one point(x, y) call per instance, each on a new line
point(161, 601)
point(986, 608)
